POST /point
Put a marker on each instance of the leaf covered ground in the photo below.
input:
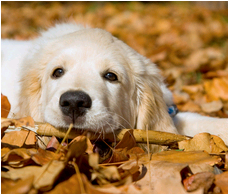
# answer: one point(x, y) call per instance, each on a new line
point(188, 43)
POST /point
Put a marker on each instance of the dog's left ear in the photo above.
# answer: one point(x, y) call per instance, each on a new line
point(152, 109)
point(152, 96)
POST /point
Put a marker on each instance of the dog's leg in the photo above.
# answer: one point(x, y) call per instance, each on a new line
point(191, 124)
point(13, 53)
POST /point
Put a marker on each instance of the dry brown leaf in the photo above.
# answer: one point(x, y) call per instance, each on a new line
point(192, 89)
point(93, 160)
point(166, 166)
point(216, 89)
point(42, 157)
point(73, 186)
point(105, 175)
point(19, 157)
point(47, 175)
point(164, 178)
point(190, 106)
point(76, 147)
point(191, 157)
point(118, 155)
point(44, 177)
point(221, 181)
point(180, 97)
point(21, 173)
point(4, 151)
point(53, 143)
point(128, 141)
point(89, 147)
point(31, 139)
point(213, 106)
point(5, 123)
point(135, 153)
point(218, 73)
point(126, 187)
point(200, 180)
point(203, 141)
point(15, 138)
point(26, 121)
point(19, 187)
point(5, 106)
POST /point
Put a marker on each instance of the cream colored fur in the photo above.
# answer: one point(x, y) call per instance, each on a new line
point(138, 99)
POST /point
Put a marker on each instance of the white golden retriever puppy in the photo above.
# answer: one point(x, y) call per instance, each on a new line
point(85, 76)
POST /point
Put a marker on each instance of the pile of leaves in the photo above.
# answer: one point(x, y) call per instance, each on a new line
point(197, 165)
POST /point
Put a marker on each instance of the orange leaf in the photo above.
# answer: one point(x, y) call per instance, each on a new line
point(27, 121)
point(5, 106)
point(44, 156)
point(31, 138)
point(199, 180)
point(221, 181)
point(15, 138)
point(128, 141)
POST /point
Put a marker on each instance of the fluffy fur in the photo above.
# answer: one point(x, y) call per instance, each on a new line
point(137, 99)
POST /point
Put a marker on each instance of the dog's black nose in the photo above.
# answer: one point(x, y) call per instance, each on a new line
point(74, 103)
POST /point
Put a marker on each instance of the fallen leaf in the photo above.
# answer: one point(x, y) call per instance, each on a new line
point(19, 157)
point(53, 144)
point(21, 173)
point(213, 106)
point(4, 151)
point(135, 153)
point(47, 175)
point(192, 89)
point(221, 180)
point(180, 97)
point(44, 177)
point(189, 157)
point(105, 175)
point(128, 141)
point(31, 139)
point(26, 121)
point(15, 138)
point(199, 180)
point(18, 187)
point(90, 147)
point(203, 141)
point(5, 123)
point(93, 160)
point(190, 106)
point(5, 106)
point(216, 89)
point(73, 186)
point(164, 178)
point(42, 157)
point(118, 155)
point(76, 147)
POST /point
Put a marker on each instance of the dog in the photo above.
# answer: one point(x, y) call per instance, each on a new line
point(86, 76)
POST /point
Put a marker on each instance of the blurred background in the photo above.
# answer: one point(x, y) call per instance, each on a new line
point(187, 40)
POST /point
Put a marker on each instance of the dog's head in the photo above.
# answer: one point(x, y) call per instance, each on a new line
point(95, 81)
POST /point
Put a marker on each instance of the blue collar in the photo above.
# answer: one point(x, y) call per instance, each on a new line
point(172, 110)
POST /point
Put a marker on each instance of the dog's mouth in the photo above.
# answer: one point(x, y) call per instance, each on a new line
point(92, 133)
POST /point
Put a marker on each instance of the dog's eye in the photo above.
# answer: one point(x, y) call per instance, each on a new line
point(57, 73)
point(111, 76)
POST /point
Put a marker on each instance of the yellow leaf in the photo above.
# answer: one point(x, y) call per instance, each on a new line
point(203, 141)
